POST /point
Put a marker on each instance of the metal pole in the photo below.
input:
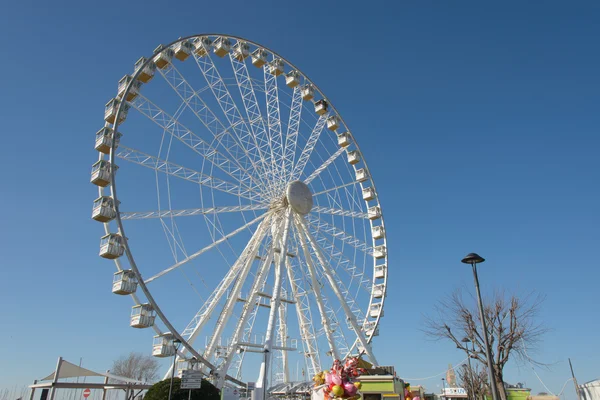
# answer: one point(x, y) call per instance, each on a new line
point(443, 388)
point(488, 351)
point(172, 373)
point(575, 381)
point(55, 379)
point(104, 388)
point(32, 390)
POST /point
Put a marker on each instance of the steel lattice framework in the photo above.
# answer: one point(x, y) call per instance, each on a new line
point(237, 156)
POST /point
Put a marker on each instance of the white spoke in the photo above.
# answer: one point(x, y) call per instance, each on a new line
point(190, 212)
point(254, 115)
point(274, 125)
point(190, 139)
point(213, 124)
point(336, 188)
point(337, 211)
point(309, 147)
point(336, 289)
point(148, 161)
point(230, 109)
point(317, 171)
point(205, 249)
point(291, 138)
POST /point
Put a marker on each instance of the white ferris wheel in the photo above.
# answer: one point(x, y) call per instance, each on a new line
point(246, 214)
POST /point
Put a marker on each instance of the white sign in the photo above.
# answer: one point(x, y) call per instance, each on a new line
point(455, 392)
point(191, 379)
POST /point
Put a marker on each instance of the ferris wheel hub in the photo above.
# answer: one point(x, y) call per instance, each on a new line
point(299, 197)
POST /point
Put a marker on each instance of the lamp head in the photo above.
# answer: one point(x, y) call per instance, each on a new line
point(473, 258)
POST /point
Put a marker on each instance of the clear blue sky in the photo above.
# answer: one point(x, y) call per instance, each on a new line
point(480, 123)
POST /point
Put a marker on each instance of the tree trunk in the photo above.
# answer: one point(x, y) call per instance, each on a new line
point(500, 383)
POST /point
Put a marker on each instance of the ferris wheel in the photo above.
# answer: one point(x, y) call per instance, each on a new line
point(247, 226)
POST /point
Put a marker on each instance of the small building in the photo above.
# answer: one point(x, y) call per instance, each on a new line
point(381, 383)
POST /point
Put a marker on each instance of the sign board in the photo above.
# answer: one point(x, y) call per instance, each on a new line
point(191, 379)
point(455, 392)
point(251, 385)
point(86, 393)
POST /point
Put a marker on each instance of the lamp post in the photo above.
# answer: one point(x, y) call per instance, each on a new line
point(474, 259)
point(443, 387)
point(466, 341)
point(176, 343)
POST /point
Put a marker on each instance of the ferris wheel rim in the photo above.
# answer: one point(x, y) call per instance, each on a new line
point(119, 221)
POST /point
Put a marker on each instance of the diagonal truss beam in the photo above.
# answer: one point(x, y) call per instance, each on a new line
point(291, 138)
point(191, 212)
point(309, 147)
point(213, 124)
point(229, 107)
point(166, 167)
point(338, 211)
point(179, 131)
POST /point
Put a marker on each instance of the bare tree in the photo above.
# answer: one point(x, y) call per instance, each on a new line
point(511, 323)
point(474, 380)
point(136, 366)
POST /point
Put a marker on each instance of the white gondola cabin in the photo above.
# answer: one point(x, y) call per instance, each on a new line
point(361, 175)
point(374, 213)
point(241, 50)
point(375, 310)
point(104, 209)
point(183, 50)
point(276, 67)
point(308, 92)
point(379, 252)
point(371, 329)
point(292, 79)
point(147, 71)
point(333, 122)
point(133, 91)
point(222, 46)
point(321, 107)
point(343, 139)
point(259, 57)
point(111, 246)
point(353, 157)
point(163, 345)
point(368, 193)
point(202, 46)
point(378, 291)
point(124, 282)
point(101, 173)
point(164, 56)
point(104, 139)
point(142, 316)
point(110, 111)
point(380, 271)
point(378, 232)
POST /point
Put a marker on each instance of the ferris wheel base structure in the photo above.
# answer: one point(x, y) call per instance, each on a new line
point(231, 153)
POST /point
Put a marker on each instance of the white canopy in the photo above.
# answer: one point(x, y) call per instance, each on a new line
point(590, 390)
point(69, 370)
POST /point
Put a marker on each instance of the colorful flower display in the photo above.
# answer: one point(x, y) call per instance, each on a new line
point(340, 381)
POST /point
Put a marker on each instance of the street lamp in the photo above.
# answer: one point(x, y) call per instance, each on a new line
point(443, 387)
point(474, 259)
point(176, 343)
point(466, 341)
